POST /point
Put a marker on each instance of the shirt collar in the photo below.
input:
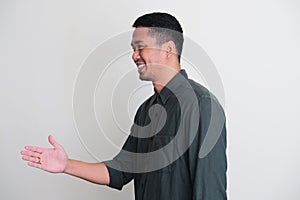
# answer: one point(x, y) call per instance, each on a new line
point(166, 93)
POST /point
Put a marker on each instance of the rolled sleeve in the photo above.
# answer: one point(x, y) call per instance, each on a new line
point(120, 166)
point(117, 178)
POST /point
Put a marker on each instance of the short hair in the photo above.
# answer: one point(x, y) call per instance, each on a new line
point(164, 27)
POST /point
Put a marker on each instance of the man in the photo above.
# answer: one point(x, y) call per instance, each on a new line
point(171, 130)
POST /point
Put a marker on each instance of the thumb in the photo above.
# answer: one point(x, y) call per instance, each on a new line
point(53, 142)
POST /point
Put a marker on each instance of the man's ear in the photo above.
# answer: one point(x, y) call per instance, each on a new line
point(171, 48)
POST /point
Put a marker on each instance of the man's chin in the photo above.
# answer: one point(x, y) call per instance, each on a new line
point(144, 78)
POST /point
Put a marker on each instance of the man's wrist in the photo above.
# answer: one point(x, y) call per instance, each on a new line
point(68, 166)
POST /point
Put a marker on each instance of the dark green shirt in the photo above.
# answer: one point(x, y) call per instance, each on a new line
point(194, 164)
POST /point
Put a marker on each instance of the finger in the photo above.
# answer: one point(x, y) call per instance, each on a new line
point(31, 153)
point(53, 142)
point(34, 164)
point(31, 159)
point(34, 149)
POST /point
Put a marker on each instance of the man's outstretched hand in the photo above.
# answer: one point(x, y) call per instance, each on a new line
point(49, 159)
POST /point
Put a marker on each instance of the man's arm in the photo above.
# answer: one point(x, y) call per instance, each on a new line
point(208, 173)
point(93, 172)
point(55, 160)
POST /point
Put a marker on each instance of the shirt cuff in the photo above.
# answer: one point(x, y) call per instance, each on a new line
point(115, 177)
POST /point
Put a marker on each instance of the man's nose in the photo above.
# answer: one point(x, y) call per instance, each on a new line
point(136, 55)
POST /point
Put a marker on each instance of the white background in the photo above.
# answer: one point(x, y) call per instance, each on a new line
point(255, 46)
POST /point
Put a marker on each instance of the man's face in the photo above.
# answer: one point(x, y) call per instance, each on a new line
point(147, 55)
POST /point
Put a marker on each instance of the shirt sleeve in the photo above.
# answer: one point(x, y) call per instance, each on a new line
point(118, 174)
point(121, 166)
point(207, 154)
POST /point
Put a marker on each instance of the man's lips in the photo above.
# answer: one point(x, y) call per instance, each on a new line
point(140, 66)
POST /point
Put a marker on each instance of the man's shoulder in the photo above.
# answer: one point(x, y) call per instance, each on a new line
point(200, 90)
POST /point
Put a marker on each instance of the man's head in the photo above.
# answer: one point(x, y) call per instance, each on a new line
point(164, 27)
point(157, 41)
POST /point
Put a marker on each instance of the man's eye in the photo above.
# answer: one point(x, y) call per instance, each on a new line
point(138, 48)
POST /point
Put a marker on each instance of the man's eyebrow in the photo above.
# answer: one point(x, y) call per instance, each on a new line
point(136, 42)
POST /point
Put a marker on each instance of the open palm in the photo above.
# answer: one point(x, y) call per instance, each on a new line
point(49, 159)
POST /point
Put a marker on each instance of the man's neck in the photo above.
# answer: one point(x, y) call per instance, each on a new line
point(166, 78)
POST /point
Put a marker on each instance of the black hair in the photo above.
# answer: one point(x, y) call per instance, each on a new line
point(164, 27)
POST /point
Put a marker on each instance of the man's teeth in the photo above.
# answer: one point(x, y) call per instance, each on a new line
point(141, 66)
